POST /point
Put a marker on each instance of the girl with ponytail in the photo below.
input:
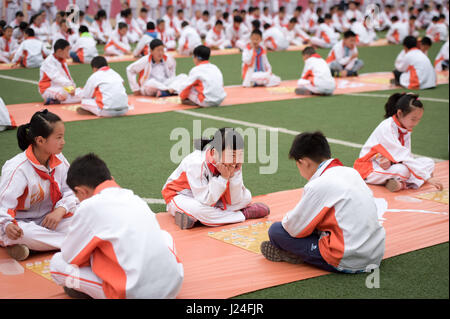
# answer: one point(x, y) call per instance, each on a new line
point(386, 157)
point(208, 185)
point(35, 201)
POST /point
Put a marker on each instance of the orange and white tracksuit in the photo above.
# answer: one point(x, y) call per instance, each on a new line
point(54, 77)
point(152, 76)
point(85, 47)
point(115, 248)
point(117, 45)
point(6, 119)
point(340, 57)
point(101, 30)
point(30, 53)
point(216, 39)
point(28, 192)
point(393, 142)
point(441, 57)
point(397, 32)
point(274, 39)
point(7, 49)
point(188, 41)
point(256, 69)
point(417, 70)
point(437, 31)
point(238, 37)
point(198, 190)
point(104, 94)
point(296, 36)
point(325, 36)
point(316, 76)
point(365, 35)
point(204, 85)
point(340, 206)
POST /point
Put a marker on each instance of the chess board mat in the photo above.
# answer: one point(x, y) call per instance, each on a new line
point(215, 269)
point(368, 82)
point(437, 196)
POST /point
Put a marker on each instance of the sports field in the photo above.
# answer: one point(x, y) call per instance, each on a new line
point(137, 150)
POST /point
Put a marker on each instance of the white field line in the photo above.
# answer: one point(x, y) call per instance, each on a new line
point(280, 129)
point(431, 99)
point(6, 77)
point(154, 201)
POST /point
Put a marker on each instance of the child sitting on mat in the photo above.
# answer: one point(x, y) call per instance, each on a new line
point(114, 247)
point(104, 93)
point(204, 85)
point(35, 201)
point(256, 69)
point(335, 225)
point(208, 184)
point(386, 157)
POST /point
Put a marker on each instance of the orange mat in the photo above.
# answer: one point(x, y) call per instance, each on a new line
point(235, 95)
point(214, 269)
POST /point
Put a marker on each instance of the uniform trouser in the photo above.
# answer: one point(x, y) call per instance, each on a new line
point(92, 106)
point(193, 97)
point(400, 172)
point(261, 79)
point(53, 91)
point(152, 86)
point(306, 84)
point(39, 238)
point(354, 65)
point(4, 57)
point(83, 278)
point(321, 42)
point(112, 50)
point(306, 248)
point(208, 215)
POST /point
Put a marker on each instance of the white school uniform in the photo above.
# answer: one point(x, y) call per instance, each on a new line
point(340, 206)
point(167, 37)
point(325, 36)
point(238, 37)
point(274, 39)
point(26, 198)
point(101, 31)
point(85, 48)
point(11, 7)
point(154, 76)
point(340, 23)
point(104, 94)
point(417, 70)
point(54, 77)
point(134, 31)
point(142, 48)
point(188, 41)
point(194, 188)
point(117, 45)
point(251, 74)
point(115, 248)
point(364, 35)
point(341, 55)
point(204, 85)
point(316, 76)
point(203, 27)
point(216, 39)
point(441, 57)
point(31, 53)
point(6, 120)
point(354, 14)
point(71, 38)
point(309, 20)
point(393, 142)
point(437, 31)
point(7, 49)
point(41, 32)
point(397, 32)
point(296, 36)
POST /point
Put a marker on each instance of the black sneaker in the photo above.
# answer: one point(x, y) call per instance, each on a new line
point(273, 253)
point(76, 294)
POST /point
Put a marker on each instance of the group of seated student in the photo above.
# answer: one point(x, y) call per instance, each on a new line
point(111, 241)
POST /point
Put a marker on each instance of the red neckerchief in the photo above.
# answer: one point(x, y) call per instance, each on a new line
point(315, 55)
point(215, 31)
point(55, 193)
point(63, 63)
point(6, 44)
point(226, 197)
point(401, 134)
point(335, 162)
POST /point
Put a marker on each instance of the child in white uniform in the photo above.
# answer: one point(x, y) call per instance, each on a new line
point(386, 157)
point(208, 184)
point(36, 204)
point(115, 247)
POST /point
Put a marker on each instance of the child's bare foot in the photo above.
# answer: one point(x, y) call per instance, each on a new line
point(394, 185)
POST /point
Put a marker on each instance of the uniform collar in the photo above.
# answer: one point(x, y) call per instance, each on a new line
point(53, 161)
point(106, 184)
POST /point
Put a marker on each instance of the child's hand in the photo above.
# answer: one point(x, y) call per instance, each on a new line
point(226, 171)
point(52, 219)
point(13, 231)
point(384, 162)
point(436, 183)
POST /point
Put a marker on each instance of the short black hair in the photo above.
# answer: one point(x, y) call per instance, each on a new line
point(202, 53)
point(155, 43)
point(426, 41)
point(150, 25)
point(237, 19)
point(312, 145)
point(349, 34)
point(61, 44)
point(122, 25)
point(83, 29)
point(88, 170)
point(308, 51)
point(99, 62)
point(29, 32)
point(256, 31)
point(410, 42)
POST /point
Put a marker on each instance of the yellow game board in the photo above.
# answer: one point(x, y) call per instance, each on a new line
point(439, 196)
point(248, 237)
point(41, 268)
